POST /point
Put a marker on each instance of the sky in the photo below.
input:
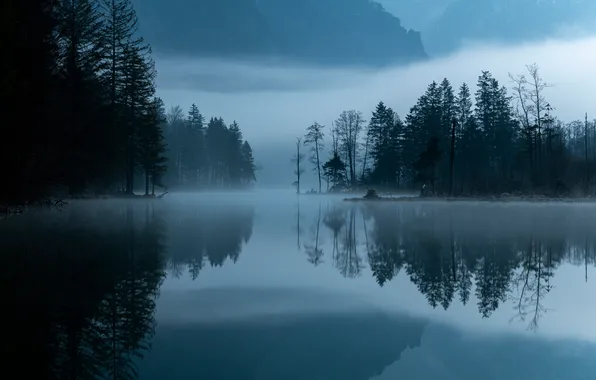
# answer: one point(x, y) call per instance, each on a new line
point(275, 104)
point(272, 103)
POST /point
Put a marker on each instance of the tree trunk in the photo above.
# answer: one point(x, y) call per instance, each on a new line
point(318, 164)
point(587, 179)
point(452, 157)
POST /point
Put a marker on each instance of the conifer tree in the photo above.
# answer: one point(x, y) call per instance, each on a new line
point(314, 139)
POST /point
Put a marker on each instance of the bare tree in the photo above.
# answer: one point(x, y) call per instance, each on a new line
point(539, 106)
point(313, 250)
point(314, 139)
point(348, 127)
point(297, 160)
point(531, 104)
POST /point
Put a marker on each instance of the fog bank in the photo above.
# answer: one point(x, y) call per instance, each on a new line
point(273, 103)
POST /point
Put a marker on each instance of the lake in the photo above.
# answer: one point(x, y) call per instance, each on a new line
point(267, 285)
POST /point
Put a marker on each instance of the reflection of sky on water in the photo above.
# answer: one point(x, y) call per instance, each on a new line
point(272, 260)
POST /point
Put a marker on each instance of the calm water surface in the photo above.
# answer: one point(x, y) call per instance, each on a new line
point(263, 286)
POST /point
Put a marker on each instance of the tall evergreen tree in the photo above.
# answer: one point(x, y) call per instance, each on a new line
point(139, 89)
point(152, 146)
point(248, 164)
point(124, 49)
point(193, 144)
point(314, 139)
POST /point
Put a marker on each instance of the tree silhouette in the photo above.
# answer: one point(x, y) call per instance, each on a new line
point(313, 251)
point(91, 288)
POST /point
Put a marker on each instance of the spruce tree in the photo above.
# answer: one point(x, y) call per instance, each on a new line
point(123, 49)
point(234, 154)
point(314, 139)
point(79, 33)
point(138, 91)
point(248, 164)
point(194, 144)
point(151, 145)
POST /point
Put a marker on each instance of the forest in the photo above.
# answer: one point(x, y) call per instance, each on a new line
point(458, 142)
point(85, 81)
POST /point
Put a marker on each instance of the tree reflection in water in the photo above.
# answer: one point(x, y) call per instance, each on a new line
point(79, 291)
point(208, 236)
point(79, 287)
point(449, 252)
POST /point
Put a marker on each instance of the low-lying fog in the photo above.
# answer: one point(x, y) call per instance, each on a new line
point(274, 104)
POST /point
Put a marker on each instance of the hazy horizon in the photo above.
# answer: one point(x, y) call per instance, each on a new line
point(274, 104)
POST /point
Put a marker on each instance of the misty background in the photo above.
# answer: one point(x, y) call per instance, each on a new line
point(278, 66)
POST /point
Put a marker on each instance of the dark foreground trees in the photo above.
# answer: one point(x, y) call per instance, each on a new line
point(85, 81)
point(503, 142)
point(81, 287)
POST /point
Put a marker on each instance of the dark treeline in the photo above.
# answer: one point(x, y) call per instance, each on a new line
point(79, 295)
point(85, 80)
point(206, 154)
point(460, 142)
point(453, 253)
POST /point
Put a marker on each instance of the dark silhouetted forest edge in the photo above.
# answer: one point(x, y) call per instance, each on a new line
point(95, 126)
point(494, 143)
point(501, 198)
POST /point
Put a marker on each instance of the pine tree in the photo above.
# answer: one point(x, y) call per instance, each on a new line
point(234, 154)
point(426, 163)
point(385, 130)
point(152, 146)
point(139, 89)
point(123, 49)
point(248, 164)
point(297, 159)
point(469, 140)
point(335, 172)
point(216, 140)
point(495, 117)
point(81, 58)
point(194, 144)
point(314, 139)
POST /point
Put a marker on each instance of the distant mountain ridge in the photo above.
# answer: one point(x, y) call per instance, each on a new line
point(321, 32)
point(446, 25)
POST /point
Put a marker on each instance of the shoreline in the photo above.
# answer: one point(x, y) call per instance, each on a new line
point(487, 199)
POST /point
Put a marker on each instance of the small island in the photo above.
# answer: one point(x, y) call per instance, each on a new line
point(372, 196)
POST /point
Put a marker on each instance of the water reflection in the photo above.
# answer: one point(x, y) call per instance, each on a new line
point(450, 252)
point(80, 295)
point(347, 345)
point(84, 288)
point(208, 235)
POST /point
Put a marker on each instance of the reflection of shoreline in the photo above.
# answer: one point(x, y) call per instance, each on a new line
point(208, 237)
point(460, 252)
point(79, 291)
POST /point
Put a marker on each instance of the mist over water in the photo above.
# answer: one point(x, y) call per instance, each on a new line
point(225, 284)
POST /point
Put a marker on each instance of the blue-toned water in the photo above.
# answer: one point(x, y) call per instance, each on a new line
point(268, 285)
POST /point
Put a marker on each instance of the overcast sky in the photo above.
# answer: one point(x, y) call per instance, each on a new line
point(275, 104)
